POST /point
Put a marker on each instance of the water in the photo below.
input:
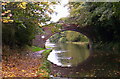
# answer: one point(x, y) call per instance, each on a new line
point(67, 55)
point(73, 60)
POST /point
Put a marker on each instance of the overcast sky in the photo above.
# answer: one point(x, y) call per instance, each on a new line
point(61, 9)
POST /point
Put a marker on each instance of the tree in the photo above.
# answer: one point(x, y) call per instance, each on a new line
point(103, 17)
point(23, 20)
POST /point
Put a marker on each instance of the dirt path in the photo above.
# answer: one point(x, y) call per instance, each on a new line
point(23, 64)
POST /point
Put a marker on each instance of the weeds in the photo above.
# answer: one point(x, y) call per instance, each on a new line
point(44, 70)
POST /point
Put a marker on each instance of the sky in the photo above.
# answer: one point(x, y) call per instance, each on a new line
point(61, 9)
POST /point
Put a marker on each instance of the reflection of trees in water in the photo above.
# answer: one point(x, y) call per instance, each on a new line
point(64, 61)
point(77, 53)
point(102, 64)
point(99, 64)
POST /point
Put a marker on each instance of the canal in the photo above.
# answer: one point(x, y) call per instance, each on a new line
point(75, 60)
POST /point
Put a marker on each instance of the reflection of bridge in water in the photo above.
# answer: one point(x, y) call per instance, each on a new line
point(41, 39)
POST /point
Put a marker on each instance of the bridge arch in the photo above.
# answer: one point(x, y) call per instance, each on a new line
point(41, 39)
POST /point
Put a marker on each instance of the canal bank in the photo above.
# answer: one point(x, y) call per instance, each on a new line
point(44, 69)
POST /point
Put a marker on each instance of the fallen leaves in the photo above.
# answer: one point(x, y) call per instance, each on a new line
point(21, 65)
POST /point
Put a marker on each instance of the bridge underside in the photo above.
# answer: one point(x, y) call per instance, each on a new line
point(41, 39)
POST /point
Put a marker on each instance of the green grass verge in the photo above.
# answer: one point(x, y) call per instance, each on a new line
point(35, 49)
point(48, 47)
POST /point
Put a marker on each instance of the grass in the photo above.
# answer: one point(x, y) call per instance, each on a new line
point(35, 49)
point(47, 47)
point(46, 53)
point(44, 70)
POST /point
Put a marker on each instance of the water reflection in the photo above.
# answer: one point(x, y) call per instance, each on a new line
point(68, 54)
point(98, 64)
point(86, 63)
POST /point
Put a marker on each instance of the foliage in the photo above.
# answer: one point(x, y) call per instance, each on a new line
point(55, 38)
point(44, 69)
point(68, 36)
point(46, 53)
point(62, 40)
point(113, 46)
point(22, 11)
point(72, 36)
point(22, 21)
point(103, 17)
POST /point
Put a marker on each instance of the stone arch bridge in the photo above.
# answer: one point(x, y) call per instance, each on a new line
point(41, 39)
